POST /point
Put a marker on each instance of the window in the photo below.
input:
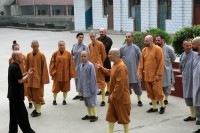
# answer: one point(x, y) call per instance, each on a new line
point(169, 9)
point(27, 10)
point(58, 10)
point(43, 9)
point(133, 6)
point(105, 7)
point(70, 10)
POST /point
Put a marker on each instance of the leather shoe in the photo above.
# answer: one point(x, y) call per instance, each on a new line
point(36, 114)
point(102, 103)
point(54, 102)
point(140, 103)
point(162, 110)
point(151, 110)
point(93, 118)
point(165, 102)
point(64, 102)
point(190, 119)
point(99, 93)
point(76, 97)
point(197, 122)
point(30, 106)
point(86, 117)
point(197, 131)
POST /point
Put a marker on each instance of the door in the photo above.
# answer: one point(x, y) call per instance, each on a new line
point(110, 14)
point(162, 13)
point(196, 18)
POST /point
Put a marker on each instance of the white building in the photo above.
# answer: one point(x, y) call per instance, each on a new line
point(136, 15)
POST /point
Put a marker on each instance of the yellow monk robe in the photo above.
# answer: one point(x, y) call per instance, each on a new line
point(23, 69)
point(98, 53)
point(62, 70)
point(152, 64)
point(119, 108)
point(40, 76)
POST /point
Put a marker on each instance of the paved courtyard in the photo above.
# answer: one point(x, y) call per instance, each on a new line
point(67, 119)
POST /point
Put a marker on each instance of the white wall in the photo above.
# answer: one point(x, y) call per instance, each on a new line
point(79, 14)
point(98, 19)
point(2, 8)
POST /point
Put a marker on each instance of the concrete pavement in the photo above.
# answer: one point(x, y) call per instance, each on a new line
point(67, 119)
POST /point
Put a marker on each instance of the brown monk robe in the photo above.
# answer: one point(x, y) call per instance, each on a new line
point(62, 70)
point(35, 83)
point(119, 106)
point(152, 64)
point(15, 47)
point(98, 54)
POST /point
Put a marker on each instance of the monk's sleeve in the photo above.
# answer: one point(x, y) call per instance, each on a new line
point(172, 55)
point(45, 75)
point(93, 83)
point(160, 61)
point(27, 63)
point(72, 68)
point(120, 84)
point(105, 71)
point(52, 65)
point(103, 53)
point(141, 65)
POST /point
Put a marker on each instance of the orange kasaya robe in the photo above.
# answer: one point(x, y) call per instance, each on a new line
point(152, 65)
point(120, 106)
point(23, 69)
point(40, 76)
point(98, 54)
point(62, 70)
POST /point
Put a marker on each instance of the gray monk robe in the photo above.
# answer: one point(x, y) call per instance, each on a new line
point(131, 56)
point(196, 85)
point(76, 53)
point(168, 77)
point(87, 84)
point(186, 68)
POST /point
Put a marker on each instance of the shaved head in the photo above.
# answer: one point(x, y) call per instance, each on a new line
point(149, 37)
point(115, 52)
point(196, 44)
point(17, 57)
point(196, 40)
point(15, 54)
point(84, 56)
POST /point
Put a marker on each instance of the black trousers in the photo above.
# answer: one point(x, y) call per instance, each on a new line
point(19, 116)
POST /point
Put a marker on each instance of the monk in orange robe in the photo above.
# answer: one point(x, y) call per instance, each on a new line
point(37, 61)
point(62, 70)
point(119, 103)
point(152, 65)
point(98, 54)
point(15, 47)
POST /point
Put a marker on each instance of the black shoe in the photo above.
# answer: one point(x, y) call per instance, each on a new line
point(165, 102)
point(86, 117)
point(81, 98)
point(99, 93)
point(190, 119)
point(157, 102)
point(76, 97)
point(162, 110)
point(34, 111)
point(197, 122)
point(107, 93)
point(130, 91)
point(30, 106)
point(102, 103)
point(36, 114)
point(54, 102)
point(151, 110)
point(93, 118)
point(64, 102)
point(197, 131)
point(140, 103)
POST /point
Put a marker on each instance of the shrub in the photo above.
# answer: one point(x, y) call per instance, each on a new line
point(139, 36)
point(181, 35)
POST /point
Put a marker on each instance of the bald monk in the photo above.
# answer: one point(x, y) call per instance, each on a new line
point(36, 82)
point(119, 103)
point(98, 54)
point(152, 64)
point(18, 112)
point(15, 47)
point(87, 86)
point(62, 70)
point(196, 78)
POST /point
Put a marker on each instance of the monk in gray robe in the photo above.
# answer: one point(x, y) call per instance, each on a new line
point(186, 68)
point(130, 54)
point(87, 86)
point(76, 53)
point(196, 78)
point(169, 58)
